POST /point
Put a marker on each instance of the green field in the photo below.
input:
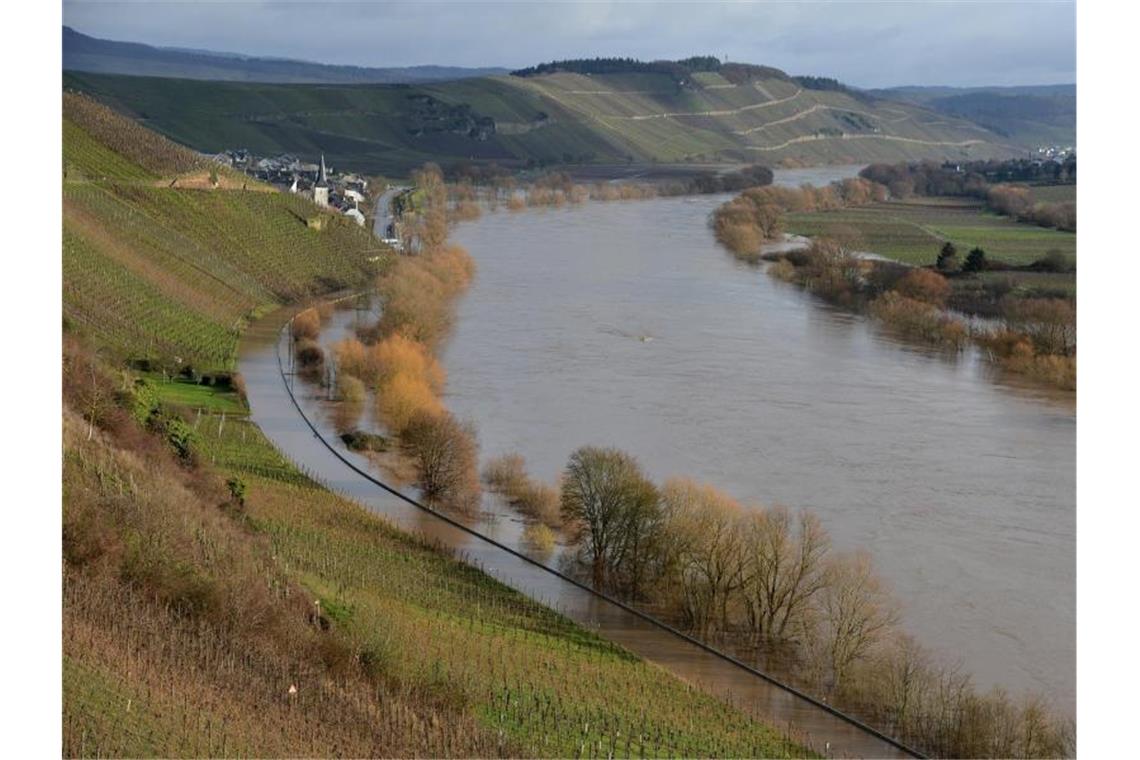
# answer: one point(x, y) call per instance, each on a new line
point(914, 231)
point(1054, 193)
point(552, 119)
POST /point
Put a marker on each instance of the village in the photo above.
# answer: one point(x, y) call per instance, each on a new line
point(346, 193)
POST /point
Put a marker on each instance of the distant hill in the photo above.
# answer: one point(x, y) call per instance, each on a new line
point(1031, 116)
point(85, 53)
point(665, 112)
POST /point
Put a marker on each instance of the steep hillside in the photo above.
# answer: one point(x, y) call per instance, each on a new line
point(1030, 116)
point(160, 264)
point(82, 52)
point(555, 118)
point(216, 601)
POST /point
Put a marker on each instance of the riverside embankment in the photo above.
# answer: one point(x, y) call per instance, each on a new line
point(285, 418)
point(625, 324)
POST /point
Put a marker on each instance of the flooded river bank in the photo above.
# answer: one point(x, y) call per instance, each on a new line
point(299, 420)
point(624, 324)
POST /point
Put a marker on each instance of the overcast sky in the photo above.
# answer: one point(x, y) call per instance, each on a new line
point(868, 44)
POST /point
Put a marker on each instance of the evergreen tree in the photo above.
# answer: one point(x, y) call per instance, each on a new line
point(975, 261)
point(947, 257)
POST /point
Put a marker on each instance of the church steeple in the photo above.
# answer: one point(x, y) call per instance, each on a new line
point(322, 178)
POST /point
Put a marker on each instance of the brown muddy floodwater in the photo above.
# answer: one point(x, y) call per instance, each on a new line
point(273, 409)
point(624, 324)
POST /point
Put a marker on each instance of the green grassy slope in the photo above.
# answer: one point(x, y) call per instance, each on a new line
point(458, 664)
point(1033, 116)
point(158, 272)
point(554, 118)
point(288, 622)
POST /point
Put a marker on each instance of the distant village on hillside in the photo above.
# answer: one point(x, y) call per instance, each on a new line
point(346, 193)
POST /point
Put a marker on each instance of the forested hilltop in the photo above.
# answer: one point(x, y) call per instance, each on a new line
point(584, 112)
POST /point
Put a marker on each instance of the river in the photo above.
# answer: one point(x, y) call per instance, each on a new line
point(285, 417)
point(623, 324)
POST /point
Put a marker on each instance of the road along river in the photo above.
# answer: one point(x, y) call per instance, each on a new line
point(292, 417)
point(624, 324)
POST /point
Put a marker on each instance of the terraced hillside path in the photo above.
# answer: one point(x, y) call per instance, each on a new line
point(845, 136)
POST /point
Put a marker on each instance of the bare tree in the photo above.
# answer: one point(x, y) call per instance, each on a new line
point(907, 677)
point(784, 560)
point(447, 458)
point(856, 612)
point(711, 564)
point(606, 500)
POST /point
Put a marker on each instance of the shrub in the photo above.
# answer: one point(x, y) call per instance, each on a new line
point(352, 359)
point(465, 211)
point(919, 319)
point(505, 474)
point(177, 432)
point(885, 275)
point(351, 388)
point(415, 303)
point(1052, 261)
point(540, 501)
point(1015, 352)
point(782, 269)
point(924, 285)
point(742, 239)
point(539, 538)
point(452, 266)
point(446, 456)
point(310, 356)
point(1051, 323)
point(237, 489)
point(1063, 216)
point(1010, 200)
point(358, 440)
point(307, 324)
point(397, 355)
point(831, 271)
point(400, 399)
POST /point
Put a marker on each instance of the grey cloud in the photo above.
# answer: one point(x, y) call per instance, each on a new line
point(862, 43)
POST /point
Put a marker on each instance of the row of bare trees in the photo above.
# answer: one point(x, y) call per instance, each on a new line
point(767, 583)
point(767, 576)
point(1017, 201)
point(756, 216)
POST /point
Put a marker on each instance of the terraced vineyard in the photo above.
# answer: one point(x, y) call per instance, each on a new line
point(913, 232)
point(557, 118)
point(454, 663)
point(527, 672)
point(170, 274)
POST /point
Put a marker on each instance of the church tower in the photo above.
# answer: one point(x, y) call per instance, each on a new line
point(321, 189)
